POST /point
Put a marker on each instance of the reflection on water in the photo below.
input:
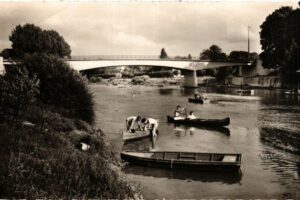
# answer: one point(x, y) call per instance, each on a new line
point(265, 128)
point(186, 129)
point(286, 167)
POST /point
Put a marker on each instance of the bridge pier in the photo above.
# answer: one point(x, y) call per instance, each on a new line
point(190, 79)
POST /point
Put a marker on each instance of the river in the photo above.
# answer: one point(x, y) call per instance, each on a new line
point(265, 128)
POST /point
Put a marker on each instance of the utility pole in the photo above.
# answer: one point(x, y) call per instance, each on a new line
point(248, 44)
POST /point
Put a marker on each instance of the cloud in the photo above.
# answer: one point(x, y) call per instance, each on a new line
point(143, 28)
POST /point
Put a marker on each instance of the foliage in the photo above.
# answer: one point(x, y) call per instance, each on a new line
point(242, 56)
point(138, 80)
point(214, 53)
point(222, 73)
point(46, 160)
point(61, 86)
point(189, 57)
point(280, 41)
point(7, 53)
point(18, 91)
point(163, 54)
point(29, 39)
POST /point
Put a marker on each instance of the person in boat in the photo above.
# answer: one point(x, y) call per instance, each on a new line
point(151, 125)
point(197, 97)
point(133, 121)
point(191, 115)
point(178, 113)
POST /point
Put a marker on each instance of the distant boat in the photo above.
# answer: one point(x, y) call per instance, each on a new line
point(223, 162)
point(248, 92)
point(136, 135)
point(201, 101)
point(201, 122)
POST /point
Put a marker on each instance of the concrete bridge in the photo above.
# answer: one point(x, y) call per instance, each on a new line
point(191, 66)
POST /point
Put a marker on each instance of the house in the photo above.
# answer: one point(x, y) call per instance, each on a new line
point(255, 76)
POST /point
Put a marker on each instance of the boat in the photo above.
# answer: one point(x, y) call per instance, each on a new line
point(179, 174)
point(223, 162)
point(201, 101)
point(201, 122)
point(136, 135)
point(246, 92)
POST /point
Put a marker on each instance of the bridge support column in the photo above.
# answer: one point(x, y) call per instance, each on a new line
point(190, 79)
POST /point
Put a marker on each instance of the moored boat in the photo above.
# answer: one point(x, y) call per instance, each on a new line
point(200, 101)
point(136, 135)
point(201, 122)
point(185, 160)
point(245, 92)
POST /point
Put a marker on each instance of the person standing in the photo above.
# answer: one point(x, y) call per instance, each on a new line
point(150, 124)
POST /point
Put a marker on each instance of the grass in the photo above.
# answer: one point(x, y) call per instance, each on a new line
point(45, 161)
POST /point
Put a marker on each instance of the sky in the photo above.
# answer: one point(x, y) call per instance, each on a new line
point(144, 28)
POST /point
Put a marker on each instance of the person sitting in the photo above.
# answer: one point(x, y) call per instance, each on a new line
point(178, 114)
point(151, 125)
point(191, 115)
point(196, 96)
point(132, 121)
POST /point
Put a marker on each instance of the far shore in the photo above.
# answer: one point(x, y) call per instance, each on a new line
point(166, 82)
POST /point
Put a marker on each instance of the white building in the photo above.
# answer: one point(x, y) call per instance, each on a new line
point(255, 76)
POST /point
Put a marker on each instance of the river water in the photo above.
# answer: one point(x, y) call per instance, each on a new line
point(265, 128)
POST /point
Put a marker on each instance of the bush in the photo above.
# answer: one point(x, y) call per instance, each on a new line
point(18, 91)
point(38, 163)
point(138, 80)
point(61, 86)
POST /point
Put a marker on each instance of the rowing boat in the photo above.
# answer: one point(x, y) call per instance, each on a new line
point(201, 122)
point(136, 135)
point(185, 160)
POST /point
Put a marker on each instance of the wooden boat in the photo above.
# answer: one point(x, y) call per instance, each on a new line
point(136, 135)
point(201, 122)
point(201, 101)
point(203, 176)
point(185, 160)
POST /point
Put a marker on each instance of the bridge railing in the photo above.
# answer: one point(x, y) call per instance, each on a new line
point(128, 57)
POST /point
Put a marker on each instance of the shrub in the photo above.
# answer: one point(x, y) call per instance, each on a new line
point(18, 91)
point(39, 163)
point(61, 86)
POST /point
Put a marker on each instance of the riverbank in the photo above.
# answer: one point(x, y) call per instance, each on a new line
point(204, 81)
point(50, 156)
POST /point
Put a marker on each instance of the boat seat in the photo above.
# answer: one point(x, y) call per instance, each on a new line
point(229, 158)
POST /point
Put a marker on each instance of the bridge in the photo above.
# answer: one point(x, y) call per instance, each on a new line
point(191, 66)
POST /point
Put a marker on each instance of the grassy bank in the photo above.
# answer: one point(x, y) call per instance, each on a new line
point(43, 158)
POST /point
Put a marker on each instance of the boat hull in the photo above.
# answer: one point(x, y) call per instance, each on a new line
point(201, 122)
point(127, 136)
point(186, 164)
point(196, 100)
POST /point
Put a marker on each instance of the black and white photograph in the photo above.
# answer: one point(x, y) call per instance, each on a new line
point(161, 99)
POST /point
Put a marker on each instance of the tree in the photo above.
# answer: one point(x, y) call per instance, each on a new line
point(280, 41)
point(163, 54)
point(242, 56)
point(29, 39)
point(214, 53)
point(7, 53)
point(189, 57)
point(61, 86)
